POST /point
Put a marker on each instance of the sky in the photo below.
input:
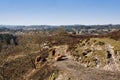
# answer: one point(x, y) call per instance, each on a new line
point(59, 12)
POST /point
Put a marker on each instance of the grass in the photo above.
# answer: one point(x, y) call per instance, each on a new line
point(97, 47)
point(54, 75)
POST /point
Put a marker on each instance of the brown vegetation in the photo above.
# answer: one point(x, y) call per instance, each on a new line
point(115, 35)
point(28, 44)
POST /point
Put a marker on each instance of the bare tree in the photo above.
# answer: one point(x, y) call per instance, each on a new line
point(32, 60)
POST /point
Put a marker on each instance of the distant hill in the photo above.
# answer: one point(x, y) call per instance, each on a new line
point(49, 27)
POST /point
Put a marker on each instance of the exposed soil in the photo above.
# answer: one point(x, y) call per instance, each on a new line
point(79, 72)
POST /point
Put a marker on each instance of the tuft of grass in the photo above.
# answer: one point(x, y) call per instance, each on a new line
point(54, 75)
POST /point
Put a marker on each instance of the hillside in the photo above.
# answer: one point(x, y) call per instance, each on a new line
point(76, 57)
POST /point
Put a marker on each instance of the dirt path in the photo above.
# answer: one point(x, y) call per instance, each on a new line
point(78, 72)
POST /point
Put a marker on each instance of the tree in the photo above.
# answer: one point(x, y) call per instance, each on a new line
point(60, 31)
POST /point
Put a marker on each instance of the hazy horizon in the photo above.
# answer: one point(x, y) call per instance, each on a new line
point(59, 12)
point(52, 25)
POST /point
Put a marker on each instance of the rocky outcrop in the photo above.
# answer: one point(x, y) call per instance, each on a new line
point(98, 53)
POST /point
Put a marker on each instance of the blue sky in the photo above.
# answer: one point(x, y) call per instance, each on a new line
point(59, 12)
